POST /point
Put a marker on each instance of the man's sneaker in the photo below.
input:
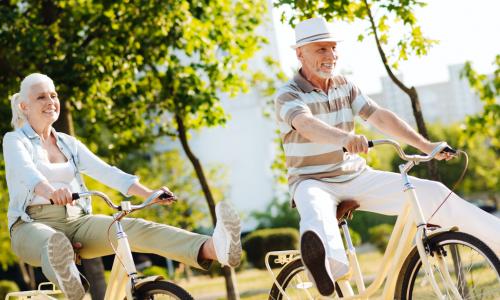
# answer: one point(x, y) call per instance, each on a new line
point(61, 255)
point(227, 234)
point(313, 255)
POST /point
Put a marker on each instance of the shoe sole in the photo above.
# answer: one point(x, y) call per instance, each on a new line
point(231, 221)
point(62, 263)
point(313, 256)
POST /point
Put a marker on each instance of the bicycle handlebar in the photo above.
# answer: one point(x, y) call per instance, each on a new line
point(416, 158)
point(130, 208)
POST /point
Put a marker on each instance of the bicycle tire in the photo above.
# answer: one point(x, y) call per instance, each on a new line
point(285, 277)
point(161, 290)
point(413, 283)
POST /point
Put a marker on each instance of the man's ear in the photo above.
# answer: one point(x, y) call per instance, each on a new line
point(298, 52)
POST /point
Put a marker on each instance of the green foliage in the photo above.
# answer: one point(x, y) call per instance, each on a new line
point(259, 242)
point(7, 286)
point(363, 221)
point(487, 123)
point(155, 270)
point(7, 257)
point(278, 214)
point(380, 235)
point(124, 66)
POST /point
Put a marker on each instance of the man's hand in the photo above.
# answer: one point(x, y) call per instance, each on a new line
point(355, 143)
point(428, 147)
point(61, 196)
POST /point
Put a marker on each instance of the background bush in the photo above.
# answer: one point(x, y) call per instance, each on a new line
point(380, 235)
point(6, 287)
point(259, 242)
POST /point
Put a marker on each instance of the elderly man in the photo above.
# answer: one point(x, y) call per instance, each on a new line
point(315, 113)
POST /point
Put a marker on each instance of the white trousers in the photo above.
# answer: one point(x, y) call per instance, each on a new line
point(382, 192)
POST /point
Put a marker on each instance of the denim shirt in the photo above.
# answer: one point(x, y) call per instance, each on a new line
point(22, 149)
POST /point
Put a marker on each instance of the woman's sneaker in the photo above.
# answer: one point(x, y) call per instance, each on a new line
point(227, 235)
point(313, 255)
point(61, 259)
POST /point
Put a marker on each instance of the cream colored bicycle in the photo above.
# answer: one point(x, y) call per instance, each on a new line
point(421, 261)
point(124, 281)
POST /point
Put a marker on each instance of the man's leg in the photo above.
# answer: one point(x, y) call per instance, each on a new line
point(317, 206)
point(382, 192)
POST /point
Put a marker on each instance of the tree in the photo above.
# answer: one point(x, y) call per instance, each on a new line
point(487, 123)
point(400, 13)
point(134, 71)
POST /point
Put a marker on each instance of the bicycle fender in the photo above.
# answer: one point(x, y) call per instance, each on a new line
point(431, 233)
point(141, 281)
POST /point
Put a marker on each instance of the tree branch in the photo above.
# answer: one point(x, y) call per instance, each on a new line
point(382, 53)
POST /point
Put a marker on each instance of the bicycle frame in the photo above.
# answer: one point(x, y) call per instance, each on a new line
point(408, 228)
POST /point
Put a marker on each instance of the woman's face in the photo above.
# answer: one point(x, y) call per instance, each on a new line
point(42, 108)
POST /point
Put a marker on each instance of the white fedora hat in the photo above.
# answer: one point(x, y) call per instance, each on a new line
point(312, 31)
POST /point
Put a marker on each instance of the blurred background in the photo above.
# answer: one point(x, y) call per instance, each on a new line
point(181, 92)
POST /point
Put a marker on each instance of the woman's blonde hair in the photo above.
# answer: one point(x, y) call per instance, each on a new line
point(18, 117)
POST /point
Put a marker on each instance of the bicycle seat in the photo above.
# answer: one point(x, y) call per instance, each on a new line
point(346, 208)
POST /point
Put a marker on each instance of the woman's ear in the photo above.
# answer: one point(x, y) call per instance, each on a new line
point(23, 106)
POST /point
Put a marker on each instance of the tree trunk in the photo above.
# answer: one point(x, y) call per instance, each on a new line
point(93, 270)
point(65, 122)
point(27, 275)
point(411, 92)
point(231, 287)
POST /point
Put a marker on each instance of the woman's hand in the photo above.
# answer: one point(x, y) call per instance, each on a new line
point(61, 196)
point(171, 198)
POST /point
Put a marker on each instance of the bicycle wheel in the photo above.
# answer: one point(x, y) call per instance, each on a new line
point(473, 268)
point(162, 290)
point(295, 283)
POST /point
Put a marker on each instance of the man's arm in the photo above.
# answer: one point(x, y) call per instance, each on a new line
point(390, 124)
point(319, 132)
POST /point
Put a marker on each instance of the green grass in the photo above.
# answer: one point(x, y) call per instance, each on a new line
point(255, 284)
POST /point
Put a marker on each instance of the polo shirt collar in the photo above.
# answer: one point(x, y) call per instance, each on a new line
point(305, 85)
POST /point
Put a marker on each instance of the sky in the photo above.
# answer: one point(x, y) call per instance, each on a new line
point(467, 30)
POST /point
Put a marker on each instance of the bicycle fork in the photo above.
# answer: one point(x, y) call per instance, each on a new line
point(123, 272)
point(420, 236)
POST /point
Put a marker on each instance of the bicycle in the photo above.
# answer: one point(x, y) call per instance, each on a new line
point(443, 263)
point(124, 281)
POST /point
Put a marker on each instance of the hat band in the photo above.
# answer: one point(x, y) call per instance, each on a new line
point(315, 37)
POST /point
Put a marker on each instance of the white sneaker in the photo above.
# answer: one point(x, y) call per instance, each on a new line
point(61, 258)
point(227, 233)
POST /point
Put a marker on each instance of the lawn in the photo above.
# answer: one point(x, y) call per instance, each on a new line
point(255, 284)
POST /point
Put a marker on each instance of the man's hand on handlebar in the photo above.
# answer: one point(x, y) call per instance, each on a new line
point(447, 154)
point(356, 143)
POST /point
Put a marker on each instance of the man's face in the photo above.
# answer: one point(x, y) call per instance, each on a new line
point(318, 59)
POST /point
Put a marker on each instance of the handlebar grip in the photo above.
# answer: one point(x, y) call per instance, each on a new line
point(74, 196)
point(449, 150)
point(370, 144)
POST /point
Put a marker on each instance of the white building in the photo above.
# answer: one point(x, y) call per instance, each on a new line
point(443, 102)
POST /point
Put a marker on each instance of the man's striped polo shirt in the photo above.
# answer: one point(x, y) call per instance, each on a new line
point(309, 160)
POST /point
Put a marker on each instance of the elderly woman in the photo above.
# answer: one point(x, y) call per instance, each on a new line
point(44, 167)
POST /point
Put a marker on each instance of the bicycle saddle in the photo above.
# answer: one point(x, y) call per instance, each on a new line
point(346, 208)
